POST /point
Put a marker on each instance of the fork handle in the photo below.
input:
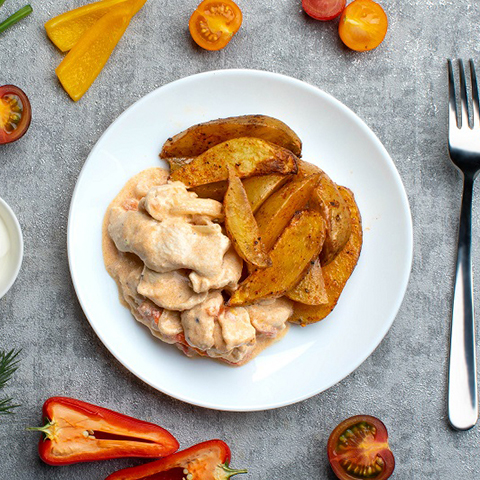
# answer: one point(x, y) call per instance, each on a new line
point(462, 375)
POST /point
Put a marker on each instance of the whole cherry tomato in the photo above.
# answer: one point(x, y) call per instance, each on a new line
point(15, 113)
point(323, 9)
point(358, 448)
point(363, 25)
point(214, 23)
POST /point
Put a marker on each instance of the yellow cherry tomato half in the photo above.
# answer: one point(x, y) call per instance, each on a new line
point(214, 23)
point(363, 25)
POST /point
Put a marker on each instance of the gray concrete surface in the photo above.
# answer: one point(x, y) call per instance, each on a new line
point(398, 89)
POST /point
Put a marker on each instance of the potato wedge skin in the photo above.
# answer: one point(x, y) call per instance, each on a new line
point(260, 188)
point(311, 290)
point(199, 138)
point(337, 272)
point(327, 198)
point(277, 211)
point(241, 226)
point(247, 156)
point(300, 242)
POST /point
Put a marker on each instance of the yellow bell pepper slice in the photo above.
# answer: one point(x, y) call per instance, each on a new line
point(86, 59)
point(66, 29)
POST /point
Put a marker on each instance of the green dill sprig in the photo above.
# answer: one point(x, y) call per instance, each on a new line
point(8, 366)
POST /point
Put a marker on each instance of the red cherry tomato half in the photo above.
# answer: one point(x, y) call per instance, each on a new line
point(358, 448)
point(323, 9)
point(15, 113)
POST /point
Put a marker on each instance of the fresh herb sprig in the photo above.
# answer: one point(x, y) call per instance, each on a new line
point(16, 17)
point(8, 366)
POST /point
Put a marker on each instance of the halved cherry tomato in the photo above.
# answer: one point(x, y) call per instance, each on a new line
point(323, 9)
point(363, 25)
point(214, 23)
point(15, 113)
point(358, 448)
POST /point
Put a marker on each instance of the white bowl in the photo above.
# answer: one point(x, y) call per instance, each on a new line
point(10, 266)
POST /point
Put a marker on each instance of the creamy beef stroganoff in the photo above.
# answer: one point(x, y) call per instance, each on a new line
point(175, 268)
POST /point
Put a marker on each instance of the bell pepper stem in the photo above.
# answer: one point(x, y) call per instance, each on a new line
point(16, 17)
point(46, 429)
point(231, 472)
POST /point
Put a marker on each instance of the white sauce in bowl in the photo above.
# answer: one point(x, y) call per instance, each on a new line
point(11, 247)
point(4, 249)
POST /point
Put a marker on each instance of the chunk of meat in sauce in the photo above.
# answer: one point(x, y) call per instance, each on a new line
point(168, 327)
point(228, 277)
point(199, 322)
point(171, 290)
point(236, 328)
point(126, 271)
point(168, 246)
point(173, 200)
point(220, 332)
point(270, 316)
point(148, 179)
point(220, 350)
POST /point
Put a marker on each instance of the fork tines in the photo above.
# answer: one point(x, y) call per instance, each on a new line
point(465, 111)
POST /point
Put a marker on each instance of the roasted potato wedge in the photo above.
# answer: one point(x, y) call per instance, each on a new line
point(246, 156)
point(176, 163)
point(338, 271)
point(215, 190)
point(257, 188)
point(241, 226)
point(277, 211)
point(260, 188)
point(299, 243)
point(199, 138)
point(306, 169)
point(311, 289)
point(327, 199)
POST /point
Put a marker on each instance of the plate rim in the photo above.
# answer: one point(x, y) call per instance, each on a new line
point(391, 166)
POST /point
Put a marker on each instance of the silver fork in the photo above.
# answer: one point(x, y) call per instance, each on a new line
point(464, 149)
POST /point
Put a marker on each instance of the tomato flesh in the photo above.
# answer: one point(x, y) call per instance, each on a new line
point(214, 22)
point(358, 449)
point(323, 9)
point(15, 113)
point(363, 25)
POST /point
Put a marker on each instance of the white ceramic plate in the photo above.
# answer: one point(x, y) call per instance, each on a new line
point(308, 360)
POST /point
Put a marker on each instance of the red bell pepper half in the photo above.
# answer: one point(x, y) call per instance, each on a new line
point(205, 461)
point(77, 431)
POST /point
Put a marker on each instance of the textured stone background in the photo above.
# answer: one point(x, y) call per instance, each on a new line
point(400, 92)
